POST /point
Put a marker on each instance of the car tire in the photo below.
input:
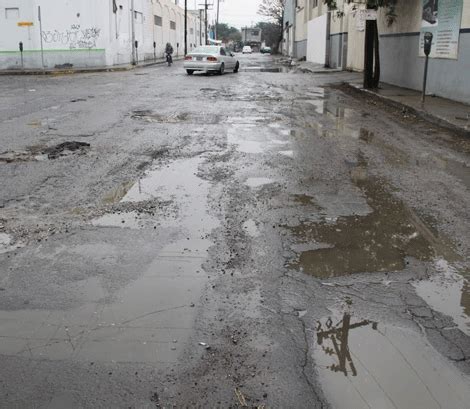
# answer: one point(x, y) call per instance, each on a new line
point(237, 67)
point(222, 69)
point(190, 72)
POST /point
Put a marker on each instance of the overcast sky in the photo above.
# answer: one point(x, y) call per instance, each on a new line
point(238, 13)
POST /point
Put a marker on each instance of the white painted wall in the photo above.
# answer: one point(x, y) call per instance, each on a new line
point(316, 39)
point(86, 33)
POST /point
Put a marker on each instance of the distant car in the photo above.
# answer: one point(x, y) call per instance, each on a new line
point(211, 58)
point(247, 50)
point(266, 50)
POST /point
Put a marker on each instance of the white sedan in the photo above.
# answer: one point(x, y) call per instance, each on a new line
point(211, 58)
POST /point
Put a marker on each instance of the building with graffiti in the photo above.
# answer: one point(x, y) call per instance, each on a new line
point(90, 33)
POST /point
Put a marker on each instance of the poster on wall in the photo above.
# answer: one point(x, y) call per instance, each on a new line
point(442, 18)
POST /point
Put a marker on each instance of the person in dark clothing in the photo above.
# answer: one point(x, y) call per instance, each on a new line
point(169, 53)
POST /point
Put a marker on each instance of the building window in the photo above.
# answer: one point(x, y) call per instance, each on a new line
point(172, 25)
point(12, 13)
point(255, 33)
point(191, 31)
point(314, 3)
point(158, 21)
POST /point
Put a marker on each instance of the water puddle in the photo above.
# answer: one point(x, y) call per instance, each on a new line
point(238, 135)
point(251, 228)
point(258, 182)
point(459, 170)
point(266, 69)
point(147, 321)
point(363, 364)
point(249, 138)
point(7, 244)
point(130, 220)
point(377, 242)
point(174, 118)
point(448, 292)
point(289, 154)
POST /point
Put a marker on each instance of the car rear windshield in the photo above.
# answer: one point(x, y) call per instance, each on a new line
point(206, 50)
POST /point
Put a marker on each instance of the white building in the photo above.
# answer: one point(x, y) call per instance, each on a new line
point(91, 33)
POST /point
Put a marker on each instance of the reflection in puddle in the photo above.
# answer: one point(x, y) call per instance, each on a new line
point(364, 365)
point(449, 293)
point(257, 182)
point(379, 241)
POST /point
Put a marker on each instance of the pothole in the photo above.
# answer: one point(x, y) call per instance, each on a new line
point(377, 242)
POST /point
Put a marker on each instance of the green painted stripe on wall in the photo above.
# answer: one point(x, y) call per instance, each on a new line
point(57, 50)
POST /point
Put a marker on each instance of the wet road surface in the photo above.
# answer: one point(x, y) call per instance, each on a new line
point(262, 239)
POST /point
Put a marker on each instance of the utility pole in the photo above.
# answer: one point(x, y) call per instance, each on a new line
point(185, 27)
point(134, 62)
point(40, 36)
point(206, 6)
point(200, 27)
point(217, 21)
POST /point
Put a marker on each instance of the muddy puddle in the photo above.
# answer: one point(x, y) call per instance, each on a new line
point(39, 154)
point(379, 241)
point(364, 364)
point(266, 69)
point(175, 118)
point(448, 291)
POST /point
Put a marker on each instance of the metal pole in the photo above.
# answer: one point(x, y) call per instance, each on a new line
point(133, 31)
point(185, 27)
point(40, 35)
point(21, 51)
point(425, 80)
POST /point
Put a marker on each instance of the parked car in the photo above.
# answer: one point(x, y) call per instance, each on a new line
point(247, 50)
point(211, 58)
point(266, 50)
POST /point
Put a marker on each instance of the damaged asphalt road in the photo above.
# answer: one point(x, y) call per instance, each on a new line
point(267, 239)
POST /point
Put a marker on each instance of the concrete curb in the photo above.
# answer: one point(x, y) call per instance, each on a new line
point(421, 113)
point(84, 70)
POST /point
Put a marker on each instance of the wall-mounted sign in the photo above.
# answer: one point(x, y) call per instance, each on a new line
point(442, 18)
point(25, 24)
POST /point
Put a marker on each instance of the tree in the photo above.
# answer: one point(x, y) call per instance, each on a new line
point(371, 47)
point(228, 33)
point(269, 34)
point(274, 11)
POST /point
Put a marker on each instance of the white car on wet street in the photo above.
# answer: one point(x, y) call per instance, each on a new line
point(211, 58)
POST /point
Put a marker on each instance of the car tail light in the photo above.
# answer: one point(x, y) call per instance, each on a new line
point(188, 58)
point(211, 59)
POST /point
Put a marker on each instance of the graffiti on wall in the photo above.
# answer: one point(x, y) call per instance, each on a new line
point(74, 38)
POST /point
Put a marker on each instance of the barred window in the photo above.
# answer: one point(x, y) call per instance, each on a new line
point(158, 21)
point(172, 25)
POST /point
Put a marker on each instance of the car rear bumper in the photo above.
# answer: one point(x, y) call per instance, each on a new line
point(202, 66)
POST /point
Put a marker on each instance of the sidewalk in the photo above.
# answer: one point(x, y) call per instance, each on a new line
point(85, 70)
point(313, 68)
point(441, 111)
